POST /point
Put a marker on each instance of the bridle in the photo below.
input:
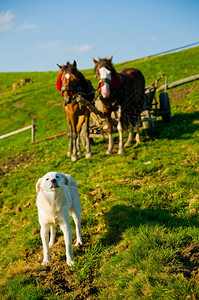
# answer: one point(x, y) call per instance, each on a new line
point(102, 81)
point(72, 91)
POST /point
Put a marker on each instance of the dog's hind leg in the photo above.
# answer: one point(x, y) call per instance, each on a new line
point(65, 227)
point(45, 241)
point(52, 235)
point(76, 214)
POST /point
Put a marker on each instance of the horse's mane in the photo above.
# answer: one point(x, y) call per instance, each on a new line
point(68, 68)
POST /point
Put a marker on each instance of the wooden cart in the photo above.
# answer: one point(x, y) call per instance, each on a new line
point(153, 107)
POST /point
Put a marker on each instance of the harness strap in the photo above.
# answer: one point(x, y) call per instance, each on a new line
point(132, 78)
point(102, 81)
point(73, 91)
point(116, 81)
point(65, 88)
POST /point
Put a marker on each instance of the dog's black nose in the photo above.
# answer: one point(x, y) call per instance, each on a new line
point(53, 180)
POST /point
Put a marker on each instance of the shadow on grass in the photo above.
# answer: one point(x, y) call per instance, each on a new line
point(180, 125)
point(122, 217)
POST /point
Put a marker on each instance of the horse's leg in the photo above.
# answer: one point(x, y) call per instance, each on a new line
point(120, 130)
point(70, 135)
point(86, 133)
point(130, 139)
point(82, 135)
point(137, 136)
point(79, 127)
point(111, 143)
point(74, 137)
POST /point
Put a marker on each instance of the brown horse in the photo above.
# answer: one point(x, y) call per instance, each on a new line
point(124, 90)
point(24, 80)
point(73, 83)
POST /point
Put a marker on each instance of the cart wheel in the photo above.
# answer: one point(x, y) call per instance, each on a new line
point(146, 123)
point(165, 107)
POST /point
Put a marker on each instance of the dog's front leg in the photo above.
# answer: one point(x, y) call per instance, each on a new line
point(52, 235)
point(45, 241)
point(68, 242)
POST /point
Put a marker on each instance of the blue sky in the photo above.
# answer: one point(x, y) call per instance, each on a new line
point(35, 35)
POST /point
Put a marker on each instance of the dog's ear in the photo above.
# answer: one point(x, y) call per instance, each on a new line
point(38, 185)
point(66, 181)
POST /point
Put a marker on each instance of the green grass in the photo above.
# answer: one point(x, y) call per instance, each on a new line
point(139, 210)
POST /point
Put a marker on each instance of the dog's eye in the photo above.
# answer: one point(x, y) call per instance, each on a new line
point(57, 176)
point(47, 179)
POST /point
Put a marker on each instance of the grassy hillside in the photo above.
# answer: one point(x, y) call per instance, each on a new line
point(139, 210)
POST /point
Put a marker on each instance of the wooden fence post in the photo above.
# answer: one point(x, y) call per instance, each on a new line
point(165, 86)
point(21, 130)
point(177, 83)
point(33, 130)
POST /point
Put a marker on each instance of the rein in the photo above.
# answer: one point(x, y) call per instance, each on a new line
point(74, 93)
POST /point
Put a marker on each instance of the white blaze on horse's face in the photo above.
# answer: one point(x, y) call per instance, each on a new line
point(67, 76)
point(105, 89)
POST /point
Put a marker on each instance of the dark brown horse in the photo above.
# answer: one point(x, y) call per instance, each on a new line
point(124, 90)
point(73, 83)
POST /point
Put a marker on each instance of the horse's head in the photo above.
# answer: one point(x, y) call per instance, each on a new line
point(104, 70)
point(69, 81)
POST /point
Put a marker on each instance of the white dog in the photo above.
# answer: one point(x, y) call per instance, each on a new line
point(57, 197)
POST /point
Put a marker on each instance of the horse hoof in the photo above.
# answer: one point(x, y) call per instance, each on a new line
point(88, 155)
point(120, 151)
point(128, 144)
point(74, 158)
point(69, 153)
point(109, 152)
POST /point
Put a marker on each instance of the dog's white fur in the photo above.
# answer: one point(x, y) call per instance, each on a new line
point(57, 197)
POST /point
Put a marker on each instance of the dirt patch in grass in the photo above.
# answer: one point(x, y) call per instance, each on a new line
point(98, 195)
point(5, 107)
point(13, 162)
point(18, 104)
point(177, 94)
point(189, 258)
point(54, 103)
point(57, 278)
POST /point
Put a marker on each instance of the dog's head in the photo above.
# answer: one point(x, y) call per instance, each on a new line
point(52, 181)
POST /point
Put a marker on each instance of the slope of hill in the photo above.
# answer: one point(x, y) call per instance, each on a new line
point(139, 210)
